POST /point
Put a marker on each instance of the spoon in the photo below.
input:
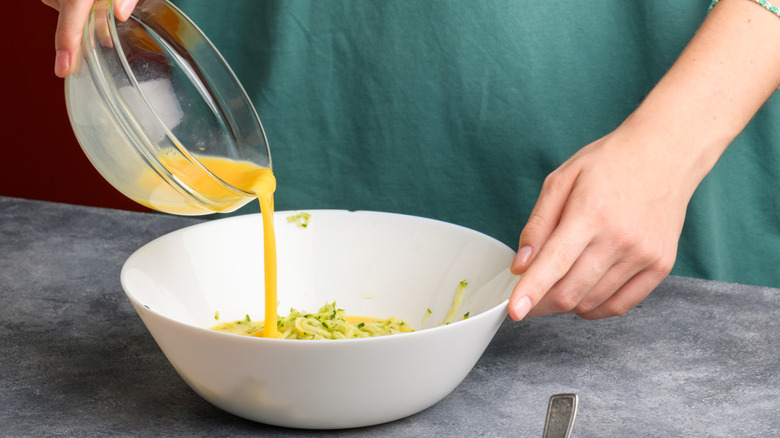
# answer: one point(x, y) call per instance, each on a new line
point(561, 411)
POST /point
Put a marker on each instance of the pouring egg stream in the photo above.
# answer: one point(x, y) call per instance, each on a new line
point(329, 322)
point(261, 182)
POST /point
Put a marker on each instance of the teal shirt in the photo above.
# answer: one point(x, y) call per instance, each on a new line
point(457, 110)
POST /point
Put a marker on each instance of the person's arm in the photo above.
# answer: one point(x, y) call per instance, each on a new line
point(604, 231)
point(70, 25)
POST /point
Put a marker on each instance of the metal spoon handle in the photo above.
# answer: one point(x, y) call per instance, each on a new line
point(561, 411)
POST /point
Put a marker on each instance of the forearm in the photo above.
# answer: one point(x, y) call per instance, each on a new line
point(728, 70)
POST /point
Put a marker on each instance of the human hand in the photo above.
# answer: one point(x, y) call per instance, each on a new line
point(605, 228)
point(604, 231)
point(70, 25)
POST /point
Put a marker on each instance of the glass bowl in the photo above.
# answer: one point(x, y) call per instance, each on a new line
point(150, 98)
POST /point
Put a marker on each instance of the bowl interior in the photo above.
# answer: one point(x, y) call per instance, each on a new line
point(372, 264)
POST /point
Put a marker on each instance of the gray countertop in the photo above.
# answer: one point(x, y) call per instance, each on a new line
point(696, 358)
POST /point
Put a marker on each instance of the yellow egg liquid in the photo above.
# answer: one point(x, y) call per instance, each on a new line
point(260, 182)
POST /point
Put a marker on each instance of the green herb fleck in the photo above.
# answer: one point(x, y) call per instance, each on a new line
point(301, 219)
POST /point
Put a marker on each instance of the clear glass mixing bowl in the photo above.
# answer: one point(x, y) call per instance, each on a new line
point(149, 97)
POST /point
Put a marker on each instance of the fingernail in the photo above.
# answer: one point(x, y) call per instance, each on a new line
point(61, 63)
point(523, 254)
point(520, 308)
point(521, 259)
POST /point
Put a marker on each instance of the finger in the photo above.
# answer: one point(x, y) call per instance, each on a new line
point(591, 296)
point(124, 8)
point(586, 284)
point(647, 258)
point(543, 219)
point(551, 264)
point(607, 286)
point(601, 271)
point(628, 296)
point(606, 264)
point(67, 39)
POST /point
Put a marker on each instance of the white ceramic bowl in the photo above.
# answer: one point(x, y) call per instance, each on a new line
point(372, 264)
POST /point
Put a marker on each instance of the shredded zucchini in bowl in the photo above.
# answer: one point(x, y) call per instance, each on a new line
point(329, 322)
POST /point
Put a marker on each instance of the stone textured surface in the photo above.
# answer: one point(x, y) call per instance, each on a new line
point(697, 358)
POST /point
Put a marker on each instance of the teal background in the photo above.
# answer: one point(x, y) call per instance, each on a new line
point(457, 110)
